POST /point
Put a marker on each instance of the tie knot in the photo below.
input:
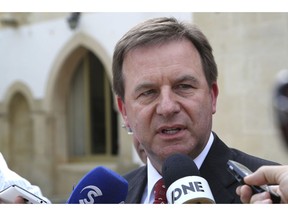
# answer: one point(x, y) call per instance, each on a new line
point(160, 192)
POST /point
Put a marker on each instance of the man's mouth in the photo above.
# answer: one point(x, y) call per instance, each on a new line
point(171, 131)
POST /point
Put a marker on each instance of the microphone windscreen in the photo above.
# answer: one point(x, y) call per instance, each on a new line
point(100, 186)
point(183, 181)
point(178, 166)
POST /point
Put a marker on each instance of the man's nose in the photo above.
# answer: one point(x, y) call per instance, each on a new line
point(168, 103)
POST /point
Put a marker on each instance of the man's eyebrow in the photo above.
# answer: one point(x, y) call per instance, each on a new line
point(189, 78)
point(142, 86)
point(185, 78)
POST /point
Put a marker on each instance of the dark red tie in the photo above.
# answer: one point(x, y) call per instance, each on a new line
point(160, 192)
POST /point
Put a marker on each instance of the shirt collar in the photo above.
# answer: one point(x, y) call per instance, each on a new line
point(201, 157)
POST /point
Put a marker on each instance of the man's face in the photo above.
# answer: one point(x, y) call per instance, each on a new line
point(168, 103)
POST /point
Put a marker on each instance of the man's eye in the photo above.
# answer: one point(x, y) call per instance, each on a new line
point(184, 86)
point(148, 92)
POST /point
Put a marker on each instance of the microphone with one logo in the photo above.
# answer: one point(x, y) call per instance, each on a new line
point(100, 186)
point(183, 181)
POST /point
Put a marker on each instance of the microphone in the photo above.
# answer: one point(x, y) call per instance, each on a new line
point(184, 183)
point(281, 103)
point(100, 186)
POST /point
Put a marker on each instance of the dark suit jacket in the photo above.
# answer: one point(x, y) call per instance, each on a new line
point(214, 170)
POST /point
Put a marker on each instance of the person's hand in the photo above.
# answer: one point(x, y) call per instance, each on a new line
point(246, 196)
point(18, 200)
point(277, 175)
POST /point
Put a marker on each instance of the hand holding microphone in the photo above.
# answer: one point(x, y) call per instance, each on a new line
point(184, 183)
point(100, 186)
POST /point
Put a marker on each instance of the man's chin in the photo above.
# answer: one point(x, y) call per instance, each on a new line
point(176, 151)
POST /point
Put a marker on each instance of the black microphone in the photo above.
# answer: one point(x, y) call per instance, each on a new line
point(100, 186)
point(281, 103)
point(183, 181)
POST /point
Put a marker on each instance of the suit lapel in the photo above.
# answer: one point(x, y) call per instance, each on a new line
point(137, 184)
point(214, 170)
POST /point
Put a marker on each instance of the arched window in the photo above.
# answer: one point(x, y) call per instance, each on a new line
point(92, 121)
point(21, 135)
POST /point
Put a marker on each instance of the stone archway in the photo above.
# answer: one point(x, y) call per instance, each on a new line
point(19, 139)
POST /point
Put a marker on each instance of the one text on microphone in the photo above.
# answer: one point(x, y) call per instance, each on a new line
point(185, 189)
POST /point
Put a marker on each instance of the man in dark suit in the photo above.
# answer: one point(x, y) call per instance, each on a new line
point(165, 81)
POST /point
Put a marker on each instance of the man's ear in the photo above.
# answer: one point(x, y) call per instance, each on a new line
point(214, 96)
point(122, 109)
